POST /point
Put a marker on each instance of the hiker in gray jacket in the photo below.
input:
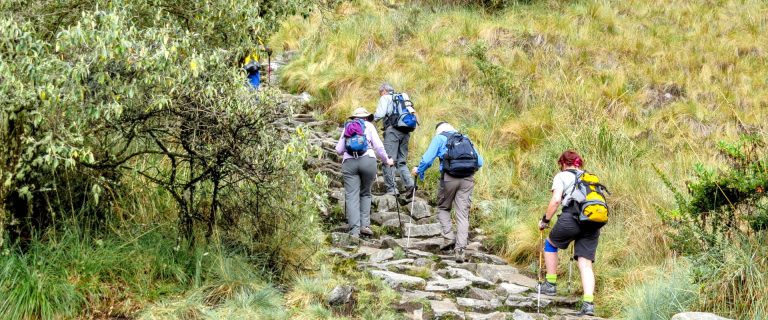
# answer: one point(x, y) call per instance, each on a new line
point(395, 141)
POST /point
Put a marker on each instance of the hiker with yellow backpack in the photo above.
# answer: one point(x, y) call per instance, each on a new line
point(584, 212)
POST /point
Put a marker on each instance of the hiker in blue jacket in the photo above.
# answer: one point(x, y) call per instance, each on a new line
point(457, 181)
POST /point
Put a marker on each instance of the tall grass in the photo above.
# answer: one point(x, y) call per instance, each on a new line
point(670, 291)
point(629, 84)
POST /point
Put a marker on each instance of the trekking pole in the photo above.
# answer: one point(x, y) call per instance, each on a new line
point(538, 272)
point(410, 216)
point(399, 220)
point(269, 65)
point(570, 267)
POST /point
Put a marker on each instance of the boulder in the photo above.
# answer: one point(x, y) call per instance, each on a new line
point(445, 308)
point(418, 209)
point(478, 305)
point(398, 280)
point(422, 230)
point(340, 295)
point(697, 316)
point(385, 203)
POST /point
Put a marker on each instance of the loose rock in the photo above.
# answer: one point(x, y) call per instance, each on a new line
point(398, 280)
point(478, 305)
point(340, 295)
point(697, 316)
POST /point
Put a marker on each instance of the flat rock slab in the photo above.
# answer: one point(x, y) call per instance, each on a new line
point(481, 294)
point(415, 295)
point(376, 255)
point(382, 217)
point(422, 230)
point(420, 253)
point(467, 275)
point(495, 273)
point(442, 285)
point(445, 308)
point(398, 280)
point(559, 300)
point(526, 302)
point(697, 316)
point(487, 258)
point(479, 305)
point(430, 244)
point(506, 289)
point(487, 316)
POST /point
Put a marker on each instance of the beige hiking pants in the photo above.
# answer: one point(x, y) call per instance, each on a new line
point(455, 193)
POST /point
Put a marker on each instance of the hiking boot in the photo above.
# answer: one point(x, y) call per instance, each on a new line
point(548, 288)
point(447, 244)
point(587, 309)
point(409, 192)
point(366, 231)
point(459, 254)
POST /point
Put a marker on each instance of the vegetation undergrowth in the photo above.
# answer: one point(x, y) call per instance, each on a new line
point(635, 86)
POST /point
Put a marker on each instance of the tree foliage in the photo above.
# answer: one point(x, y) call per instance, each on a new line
point(93, 93)
point(722, 205)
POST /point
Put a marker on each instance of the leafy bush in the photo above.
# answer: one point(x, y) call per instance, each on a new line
point(719, 223)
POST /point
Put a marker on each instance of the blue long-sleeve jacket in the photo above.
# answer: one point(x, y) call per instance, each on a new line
point(437, 149)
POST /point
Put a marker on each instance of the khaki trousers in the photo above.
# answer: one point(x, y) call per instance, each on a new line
point(455, 193)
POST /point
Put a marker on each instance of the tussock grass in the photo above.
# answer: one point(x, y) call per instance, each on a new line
point(629, 84)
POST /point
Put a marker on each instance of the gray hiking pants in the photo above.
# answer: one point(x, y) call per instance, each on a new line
point(455, 193)
point(396, 145)
point(358, 178)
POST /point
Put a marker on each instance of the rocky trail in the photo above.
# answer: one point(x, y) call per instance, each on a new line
point(405, 251)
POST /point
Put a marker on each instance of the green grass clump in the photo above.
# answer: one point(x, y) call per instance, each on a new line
point(628, 84)
point(670, 292)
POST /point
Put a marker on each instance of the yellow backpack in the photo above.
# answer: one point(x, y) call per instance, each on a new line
point(589, 194)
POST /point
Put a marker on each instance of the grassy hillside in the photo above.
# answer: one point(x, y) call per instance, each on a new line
point(635, 86)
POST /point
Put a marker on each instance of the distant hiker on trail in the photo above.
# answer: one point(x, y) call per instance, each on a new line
point(459, 160)
point(579, 193)
point(399, 121)
point(360, 144)
point(253, 68)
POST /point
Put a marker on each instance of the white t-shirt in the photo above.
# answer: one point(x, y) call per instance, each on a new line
point(565, 181)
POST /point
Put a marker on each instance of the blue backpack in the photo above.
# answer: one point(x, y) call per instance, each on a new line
point(355, 142)
point(402, 118)
point(460, 160)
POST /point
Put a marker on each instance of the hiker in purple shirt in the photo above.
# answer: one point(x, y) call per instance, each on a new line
point(360, 144)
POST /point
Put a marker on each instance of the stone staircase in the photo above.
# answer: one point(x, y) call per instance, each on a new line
point(405, 252)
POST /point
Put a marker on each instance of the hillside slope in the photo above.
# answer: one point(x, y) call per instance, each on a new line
point(635, 86)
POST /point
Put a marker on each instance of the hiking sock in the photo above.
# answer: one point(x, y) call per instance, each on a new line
point(551, 278)
point(589, 298)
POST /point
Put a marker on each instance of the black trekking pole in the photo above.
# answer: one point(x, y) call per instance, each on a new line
point(269, 65)
point(399, 220)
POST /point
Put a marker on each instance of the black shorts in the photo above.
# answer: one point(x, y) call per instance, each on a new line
point(568, 228)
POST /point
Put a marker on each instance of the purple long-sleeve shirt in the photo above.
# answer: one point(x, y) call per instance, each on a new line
point(375, 147)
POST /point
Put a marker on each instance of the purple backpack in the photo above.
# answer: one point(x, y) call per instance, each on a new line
point(356, 144)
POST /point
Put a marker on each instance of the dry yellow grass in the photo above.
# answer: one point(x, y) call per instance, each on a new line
point(629, 84)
